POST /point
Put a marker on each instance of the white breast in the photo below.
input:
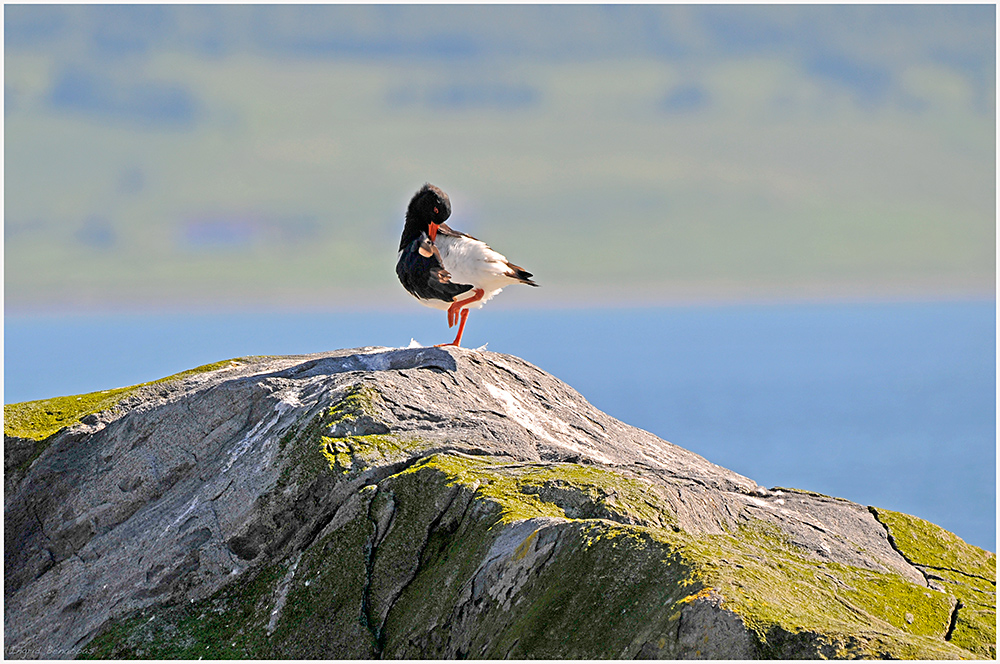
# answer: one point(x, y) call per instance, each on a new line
point(471, 261)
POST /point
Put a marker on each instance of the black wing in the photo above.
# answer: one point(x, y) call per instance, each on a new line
point(421, 271)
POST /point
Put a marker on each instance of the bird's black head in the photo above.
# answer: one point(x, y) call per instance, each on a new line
point(429, 205)
point(428, 209)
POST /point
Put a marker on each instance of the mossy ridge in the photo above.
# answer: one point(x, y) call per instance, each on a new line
point(550, 624)
point(526, 490)
point(605, 493)
point(976, 616)
point(300, 445)
point(971, 591)
point(486, 494)
point(231, 624)
point(502, 489)
point(586, 603)
point(39, 420)
point(307, 444)
point(975, 630)
point(778, 592)
point(963, 570)
point(776, 586)
point(926, 544)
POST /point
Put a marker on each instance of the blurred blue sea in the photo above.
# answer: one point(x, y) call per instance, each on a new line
point(891, 405)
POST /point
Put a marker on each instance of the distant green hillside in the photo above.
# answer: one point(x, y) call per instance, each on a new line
point(176, 154)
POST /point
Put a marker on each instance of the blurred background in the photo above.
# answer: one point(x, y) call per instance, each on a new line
point(766, 233)
point(262, 155)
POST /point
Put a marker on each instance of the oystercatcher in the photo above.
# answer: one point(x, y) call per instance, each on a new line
point(446, 269)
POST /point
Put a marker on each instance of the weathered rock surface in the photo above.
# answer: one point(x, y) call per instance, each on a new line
point(440, 503)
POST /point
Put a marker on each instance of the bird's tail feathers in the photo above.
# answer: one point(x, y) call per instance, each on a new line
point(522, 275)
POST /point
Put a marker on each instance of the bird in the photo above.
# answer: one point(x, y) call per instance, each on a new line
point(446, 269)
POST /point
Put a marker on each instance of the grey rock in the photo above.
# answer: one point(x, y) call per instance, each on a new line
point(431, 502)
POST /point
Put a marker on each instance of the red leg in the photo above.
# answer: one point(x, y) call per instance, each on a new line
point(458, 304)
point(457, 314)
point(461, 328)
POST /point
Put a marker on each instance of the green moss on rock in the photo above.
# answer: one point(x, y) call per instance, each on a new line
point(360, 400)
point(38, 420)
point(302, 444)
point(33, 424)
point(392, 576)
point(451, 553)
point(965, 572)
point(587, 604)
point(564, 490)
point(588, 492)
point(779, 591)
point(774, 587)
point(492, 481)
point(231, 624)
point(926, 544)
point(355, 453)
point(324, 444)
point(975, 630)
point(553, 619)
point(324, 615)
point(319, 618)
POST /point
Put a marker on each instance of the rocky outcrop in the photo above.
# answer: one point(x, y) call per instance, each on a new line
point(440, 503)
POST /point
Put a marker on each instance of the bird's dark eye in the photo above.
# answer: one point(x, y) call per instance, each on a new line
point(435, 210)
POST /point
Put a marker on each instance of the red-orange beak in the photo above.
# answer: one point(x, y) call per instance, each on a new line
point(433, 230)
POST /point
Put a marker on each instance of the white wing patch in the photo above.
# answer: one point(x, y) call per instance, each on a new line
point(471, 261)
